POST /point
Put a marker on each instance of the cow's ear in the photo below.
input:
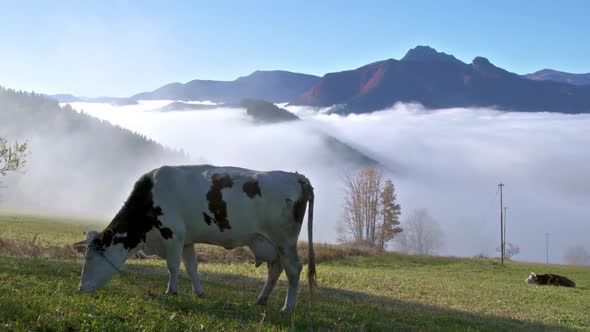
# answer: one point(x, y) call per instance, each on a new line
point(106, 237)
point(91, 235)
point(534, 274)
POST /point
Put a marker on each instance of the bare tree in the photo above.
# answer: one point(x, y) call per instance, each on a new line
point(353, 224)
point(12, 157)
point(577, 255)
point(510, 250)
point(370, 209)
point(422, 235)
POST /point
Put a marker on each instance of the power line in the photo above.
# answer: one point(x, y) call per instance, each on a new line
point(546, 248)
point(505, 226)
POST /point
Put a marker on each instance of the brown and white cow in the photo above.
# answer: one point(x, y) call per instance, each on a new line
point(172, 208)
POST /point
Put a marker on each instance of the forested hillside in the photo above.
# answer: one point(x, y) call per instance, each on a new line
point(75, 161)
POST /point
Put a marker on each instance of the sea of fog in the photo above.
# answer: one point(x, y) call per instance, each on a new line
point(447, 161)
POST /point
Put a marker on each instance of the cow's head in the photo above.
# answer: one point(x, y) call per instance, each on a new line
point(102, 259)
point(532, 278)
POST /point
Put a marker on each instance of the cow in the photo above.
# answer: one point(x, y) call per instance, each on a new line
point(173, 207)
point(549, 279)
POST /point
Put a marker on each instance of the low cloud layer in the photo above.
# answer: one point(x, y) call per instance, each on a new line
point(448, 161)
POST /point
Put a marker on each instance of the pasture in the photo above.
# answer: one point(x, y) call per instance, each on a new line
point(375, 293)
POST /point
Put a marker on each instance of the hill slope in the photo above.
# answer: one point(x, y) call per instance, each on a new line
point(75, 162)
point(438, 80)
point(378, 293)
point(265, 112)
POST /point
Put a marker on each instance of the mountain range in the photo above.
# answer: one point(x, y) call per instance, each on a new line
point(439, 80)
point(424, 75)
point(69, 98)
point(559, 76)
point(274, 86)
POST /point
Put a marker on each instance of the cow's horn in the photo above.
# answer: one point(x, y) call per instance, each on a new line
point(82, 243)
point(90, 235)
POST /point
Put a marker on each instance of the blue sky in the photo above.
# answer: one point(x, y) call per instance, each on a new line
point(118, 48)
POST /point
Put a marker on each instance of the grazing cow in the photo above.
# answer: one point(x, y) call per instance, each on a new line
point(172, 208)
point(549, 279)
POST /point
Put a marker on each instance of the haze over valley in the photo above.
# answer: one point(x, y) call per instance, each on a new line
point(448, 161)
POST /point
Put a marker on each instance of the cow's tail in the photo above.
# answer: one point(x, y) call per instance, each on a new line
point(311, 272)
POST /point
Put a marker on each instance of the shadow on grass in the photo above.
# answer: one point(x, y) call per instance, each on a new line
point(229, 297)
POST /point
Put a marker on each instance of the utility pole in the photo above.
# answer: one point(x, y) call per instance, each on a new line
point(546, 248)
point(505, 226)
point(500, 186)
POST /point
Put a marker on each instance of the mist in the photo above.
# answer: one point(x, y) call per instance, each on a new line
point(450, 162)
point(228, 137)
point(447, 161)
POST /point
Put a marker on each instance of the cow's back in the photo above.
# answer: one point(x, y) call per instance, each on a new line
point(558, 280)
point(228, 206)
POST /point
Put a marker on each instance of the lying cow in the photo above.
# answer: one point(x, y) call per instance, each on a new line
point(172, 208)
point(549, 279)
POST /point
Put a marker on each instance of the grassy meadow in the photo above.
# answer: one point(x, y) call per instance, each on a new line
point(359, 290)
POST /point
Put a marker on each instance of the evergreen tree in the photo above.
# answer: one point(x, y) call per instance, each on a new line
point(390, 212)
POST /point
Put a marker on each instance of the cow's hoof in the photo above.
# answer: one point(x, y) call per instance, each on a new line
point(287, 310)
point(200, 295)
point(169, 292)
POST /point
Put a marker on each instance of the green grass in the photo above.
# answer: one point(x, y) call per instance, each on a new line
point(379, 293)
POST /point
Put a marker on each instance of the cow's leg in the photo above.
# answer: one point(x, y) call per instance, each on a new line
point(173, 263)
point(189, 258)
point(173, 253)
point(292, 265)
point(274, 271)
